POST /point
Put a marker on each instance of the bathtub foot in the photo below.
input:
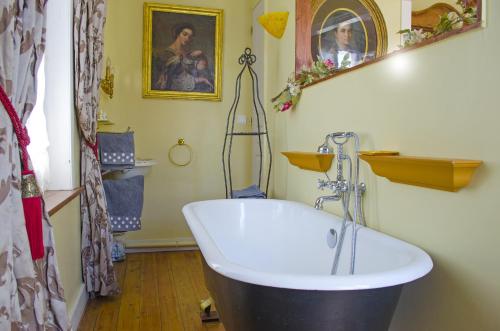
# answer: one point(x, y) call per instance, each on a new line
point(206, 314)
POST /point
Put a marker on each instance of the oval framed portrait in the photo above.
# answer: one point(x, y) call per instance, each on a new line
point(346, 32)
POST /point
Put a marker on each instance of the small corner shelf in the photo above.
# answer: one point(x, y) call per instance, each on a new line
point(436, 173)
point(310, 161)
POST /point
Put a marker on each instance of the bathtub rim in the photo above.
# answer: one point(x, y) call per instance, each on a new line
point(215, 259)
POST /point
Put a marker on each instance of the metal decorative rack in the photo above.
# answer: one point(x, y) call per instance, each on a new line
point(247, 59)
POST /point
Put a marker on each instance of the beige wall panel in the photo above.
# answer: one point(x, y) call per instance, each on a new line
point(158, 123)
point(441, 101)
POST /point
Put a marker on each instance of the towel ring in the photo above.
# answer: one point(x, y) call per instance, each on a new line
point(180, 143)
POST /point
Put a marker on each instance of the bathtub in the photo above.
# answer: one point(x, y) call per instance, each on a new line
point(267, 265)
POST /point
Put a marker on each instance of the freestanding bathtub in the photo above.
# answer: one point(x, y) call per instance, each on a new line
point(267, 264)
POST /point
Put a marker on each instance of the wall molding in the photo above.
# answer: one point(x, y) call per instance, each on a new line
point(79, 308)
point(160, 245)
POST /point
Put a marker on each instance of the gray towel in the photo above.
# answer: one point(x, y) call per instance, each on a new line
point(252, 192)
point(116, 150)
point(125, 198)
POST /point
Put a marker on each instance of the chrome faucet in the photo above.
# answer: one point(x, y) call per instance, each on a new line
point(319, 201)
point(345, 184)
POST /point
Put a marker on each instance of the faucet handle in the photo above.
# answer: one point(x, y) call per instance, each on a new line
point(323, 183)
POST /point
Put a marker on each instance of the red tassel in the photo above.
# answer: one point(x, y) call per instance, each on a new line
point(32, 205)
point(32, 198)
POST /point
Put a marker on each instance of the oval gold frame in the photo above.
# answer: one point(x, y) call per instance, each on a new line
point(376, 15)
point(360, 21)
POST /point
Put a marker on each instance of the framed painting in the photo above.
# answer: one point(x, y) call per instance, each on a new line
point(182, 52)
point(346, 32)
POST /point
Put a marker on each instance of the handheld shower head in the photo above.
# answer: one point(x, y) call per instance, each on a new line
point(325, 149)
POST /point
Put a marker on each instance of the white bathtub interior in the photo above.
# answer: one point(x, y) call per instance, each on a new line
point(288, 238)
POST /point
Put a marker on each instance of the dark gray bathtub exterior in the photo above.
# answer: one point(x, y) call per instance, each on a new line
point(249, 307)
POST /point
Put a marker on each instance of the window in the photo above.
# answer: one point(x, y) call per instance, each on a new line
point(55, 99)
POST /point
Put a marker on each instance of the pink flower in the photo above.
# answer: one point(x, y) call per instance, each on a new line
point(287, 105)
point(329, 63)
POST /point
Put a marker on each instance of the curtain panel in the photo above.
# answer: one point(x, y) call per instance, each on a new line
point(98, 273)
point(31, 294)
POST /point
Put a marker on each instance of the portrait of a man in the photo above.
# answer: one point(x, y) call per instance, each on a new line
point(342, 40)
point(345, 32)
point(182, 52)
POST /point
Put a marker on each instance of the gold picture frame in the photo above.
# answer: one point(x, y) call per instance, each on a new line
point(182, 52)
point(317, 22)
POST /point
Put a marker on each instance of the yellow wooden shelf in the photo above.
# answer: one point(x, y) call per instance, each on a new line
point(310, 161)
point(437, 173)
point(378, 153)
point(105, 122)
point(103, 125)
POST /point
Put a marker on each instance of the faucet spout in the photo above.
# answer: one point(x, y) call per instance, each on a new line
point(319, 201)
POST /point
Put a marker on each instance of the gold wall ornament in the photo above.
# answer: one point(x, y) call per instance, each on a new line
point(274, 23)
point(380, 26)
point(182, 52)
point(107, 83)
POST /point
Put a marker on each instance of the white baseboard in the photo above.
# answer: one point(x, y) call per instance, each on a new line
point(160, 245)
point(79, 309)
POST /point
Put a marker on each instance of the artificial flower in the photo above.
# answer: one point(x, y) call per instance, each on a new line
point(329, 64)
point(287, 105)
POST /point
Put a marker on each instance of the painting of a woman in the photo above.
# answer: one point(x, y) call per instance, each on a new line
point(178, 67)
point(182, 52)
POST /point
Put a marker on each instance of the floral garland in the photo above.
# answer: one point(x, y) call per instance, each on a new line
point(289, 97)
point(447, 22)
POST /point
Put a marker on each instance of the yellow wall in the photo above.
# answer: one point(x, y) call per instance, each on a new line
point(67, 235)
point(158, 123)
point(391, 10)
point(442, 102)
point(423, 4)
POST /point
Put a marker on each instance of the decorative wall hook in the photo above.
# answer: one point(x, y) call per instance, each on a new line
point(107, 83)
point(274, 23)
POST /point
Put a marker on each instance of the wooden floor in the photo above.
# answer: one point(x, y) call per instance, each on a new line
point(160, 291)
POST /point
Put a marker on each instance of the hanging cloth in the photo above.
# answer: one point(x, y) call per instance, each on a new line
point(31, 195)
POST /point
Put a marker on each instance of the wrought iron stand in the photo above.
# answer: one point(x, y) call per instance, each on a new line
point(247, 59)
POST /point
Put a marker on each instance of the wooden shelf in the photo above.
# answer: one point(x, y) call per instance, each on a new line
point(436, 173)
point(55, 200)
point(310, 161)
point(103, 124)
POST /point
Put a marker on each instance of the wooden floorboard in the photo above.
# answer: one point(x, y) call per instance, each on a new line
point(150, 307)
point(160, 291)
point(169, 309)
point(110, 307)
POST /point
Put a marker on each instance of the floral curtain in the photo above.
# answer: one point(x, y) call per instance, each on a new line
point(98, 272)
point(31, 295)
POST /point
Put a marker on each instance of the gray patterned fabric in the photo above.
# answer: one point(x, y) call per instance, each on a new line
point(116, 150)
point(31, 294)
point(125, 198)
point(98, 271)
